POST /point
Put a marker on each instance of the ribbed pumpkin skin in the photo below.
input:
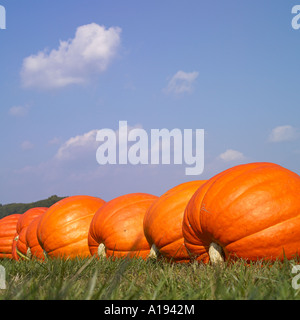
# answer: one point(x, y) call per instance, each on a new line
point(32, 242)
point(8, 228)
point(119, 226)
point(63, 229)
point(93, 244)
point(23, 223)
point(252, 211)
point(163, 221)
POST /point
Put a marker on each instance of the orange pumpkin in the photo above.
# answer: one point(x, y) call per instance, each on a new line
point(8, 229)
point(63, 230)
point(117, 227)
point(163, 221)
point(250, 211)
point(35, 251)
point(23, 223)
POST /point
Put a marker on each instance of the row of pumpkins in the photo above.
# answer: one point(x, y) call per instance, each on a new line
point(249, 211)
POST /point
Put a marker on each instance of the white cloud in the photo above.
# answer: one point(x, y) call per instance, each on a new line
point(55, 140)
point(75, 160)
point(73, 169)
point(283, 133)
point(83, 145)
point(231, 155)
point(27, 145)
point(18, 111)
point(78, 146)
point(181, 82)
point(75, 61)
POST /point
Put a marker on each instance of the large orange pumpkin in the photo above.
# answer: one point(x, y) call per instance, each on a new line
point(250, 211)
point(34, 251)
point(23, 223)
point(163, 221)
point(8, 229)
point(117, 227)
point(63, 229)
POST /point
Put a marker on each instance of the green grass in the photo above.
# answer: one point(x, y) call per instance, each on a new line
point(136, 279)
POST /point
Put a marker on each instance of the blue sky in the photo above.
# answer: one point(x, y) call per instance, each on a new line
point(71, 67)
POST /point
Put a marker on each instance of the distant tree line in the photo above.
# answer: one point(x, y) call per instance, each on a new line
point(12, 208)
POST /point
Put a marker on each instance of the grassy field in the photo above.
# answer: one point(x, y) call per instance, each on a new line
point(136, 279)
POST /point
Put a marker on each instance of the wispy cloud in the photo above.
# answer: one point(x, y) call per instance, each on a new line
point(27, 145)
point(73, 169)
point(75, 61)
point(181, 82)
point(18, 111)
point(284, 133)
point(83, 145)
point(54, 141)
point(77, 146)
point(231, 155)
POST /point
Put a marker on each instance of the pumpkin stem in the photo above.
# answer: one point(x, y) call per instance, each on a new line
point(216, 253)
point(45, 254)
point(101, 250)
point(28, 253)
point(21, 254)
point(154, 252)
